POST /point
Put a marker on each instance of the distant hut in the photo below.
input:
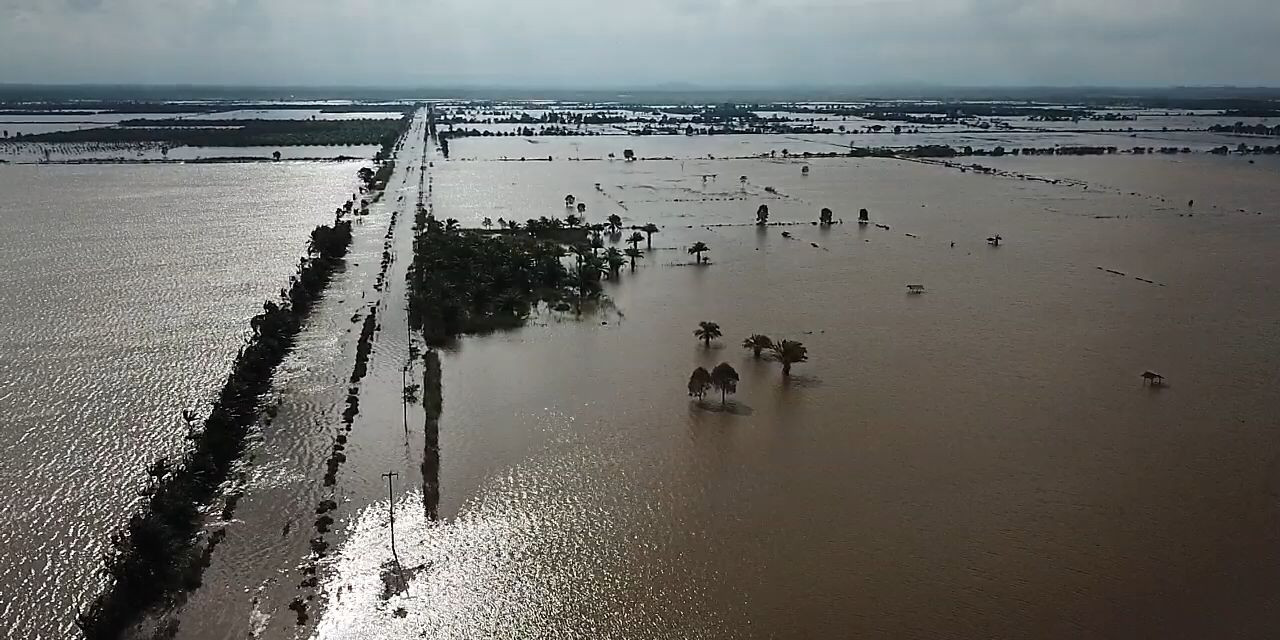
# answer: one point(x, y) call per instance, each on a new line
point(915, 288)
point(863, 216)
point(1152, 378)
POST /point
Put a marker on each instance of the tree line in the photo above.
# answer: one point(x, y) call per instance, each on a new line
point(244, 133)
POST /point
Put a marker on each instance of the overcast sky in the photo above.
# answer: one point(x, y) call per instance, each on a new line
point(610, 43)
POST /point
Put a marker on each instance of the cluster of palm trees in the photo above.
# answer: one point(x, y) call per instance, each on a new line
point(613, 226)
point(788, 352)
point(723, 379)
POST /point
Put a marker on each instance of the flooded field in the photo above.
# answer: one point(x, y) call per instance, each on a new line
point(127, 291)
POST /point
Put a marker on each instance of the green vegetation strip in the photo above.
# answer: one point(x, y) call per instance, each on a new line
point(237, 133)
point(468, 281)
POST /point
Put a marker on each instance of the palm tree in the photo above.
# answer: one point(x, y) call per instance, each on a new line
point(635, 238)
point(502, 224)
point(487, 223)
point(757, 343)
point(580, 252)
point(597, 243)
point(633, 253)
point(649, 230)
point(569, 200)
point(613, 258)
point(582, 208)
point(724, 378)
point(698, 249)
point(615, 222)
point(699, 383)
point(707, 331)
point(789, 352)
point(762, 215)
point(572, 221)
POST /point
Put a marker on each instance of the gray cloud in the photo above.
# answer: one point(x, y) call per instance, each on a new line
point(608, 42)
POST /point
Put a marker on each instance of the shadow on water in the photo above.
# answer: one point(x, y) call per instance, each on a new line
point(431, 402)
point(801, 382)
point(732, 407)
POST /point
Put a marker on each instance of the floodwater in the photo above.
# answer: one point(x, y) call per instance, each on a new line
point(982, 460)
point(76, 152)
point(126, 292)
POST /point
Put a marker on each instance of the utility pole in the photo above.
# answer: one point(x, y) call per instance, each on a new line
point(391, 503)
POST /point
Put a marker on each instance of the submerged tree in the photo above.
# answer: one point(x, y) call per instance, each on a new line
point(572, 221)
point(757, 343)
point(615, 222)
point(614, 261)
point(698, 249)
point(487, 223)
point(762, 215)
point(725, 379)
point(789, 352)
point(635, 238)
point(825, 216)
point(582, 208)
point(569, 200)
point(699, 383)
point(649, 230)
point(633, 253)
point(707, 331)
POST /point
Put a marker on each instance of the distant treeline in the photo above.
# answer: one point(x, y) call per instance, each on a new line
point(237, 133)
point(85, 108)
point(1251, 129)
point(1244, 149)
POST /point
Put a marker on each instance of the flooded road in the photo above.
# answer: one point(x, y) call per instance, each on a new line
point(267, 560)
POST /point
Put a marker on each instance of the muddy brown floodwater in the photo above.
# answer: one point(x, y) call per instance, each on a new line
point(982, 460)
